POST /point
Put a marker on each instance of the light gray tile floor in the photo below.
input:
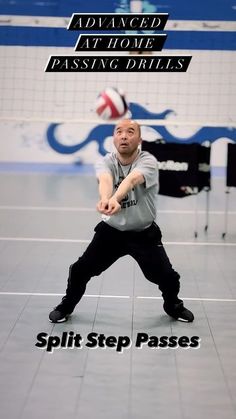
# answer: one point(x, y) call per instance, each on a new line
point(46, 221)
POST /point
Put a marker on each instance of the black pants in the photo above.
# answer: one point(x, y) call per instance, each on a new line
point(108, 245)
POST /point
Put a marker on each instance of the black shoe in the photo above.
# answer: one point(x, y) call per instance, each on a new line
point(59, 314)
point(179, 312)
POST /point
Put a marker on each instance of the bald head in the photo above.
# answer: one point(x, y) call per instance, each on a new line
point(127, 138)
point(125, 123)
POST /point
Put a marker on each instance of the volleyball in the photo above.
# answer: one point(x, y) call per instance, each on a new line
point(111, 104)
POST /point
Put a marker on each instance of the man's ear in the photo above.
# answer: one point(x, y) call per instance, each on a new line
point(140, 144)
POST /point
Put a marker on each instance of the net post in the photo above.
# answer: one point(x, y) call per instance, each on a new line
point(196, 212)
point(207, 208)
point(227, 192)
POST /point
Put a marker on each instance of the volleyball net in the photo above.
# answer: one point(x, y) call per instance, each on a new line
point(204, 95)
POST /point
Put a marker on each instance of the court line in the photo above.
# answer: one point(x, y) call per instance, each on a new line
point(89, 209)
point(63, 21)
point(49, 240)
point(43, 240)
point(225, 300)
point(41, 294)
point(39, 208)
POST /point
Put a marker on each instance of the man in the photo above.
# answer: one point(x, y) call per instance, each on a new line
point(128, 187)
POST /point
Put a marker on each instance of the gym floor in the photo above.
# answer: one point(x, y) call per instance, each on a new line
point(46, 222)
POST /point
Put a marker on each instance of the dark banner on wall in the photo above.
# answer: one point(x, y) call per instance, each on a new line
point(184, 169)
point(231, 165)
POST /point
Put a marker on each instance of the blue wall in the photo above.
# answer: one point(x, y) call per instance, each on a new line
point(178, 9)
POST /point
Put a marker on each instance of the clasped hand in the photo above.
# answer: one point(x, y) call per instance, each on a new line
point(108, 206)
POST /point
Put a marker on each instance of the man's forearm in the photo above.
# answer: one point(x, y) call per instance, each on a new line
point(123, 189)
point(133, 179)
point(105, 187)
